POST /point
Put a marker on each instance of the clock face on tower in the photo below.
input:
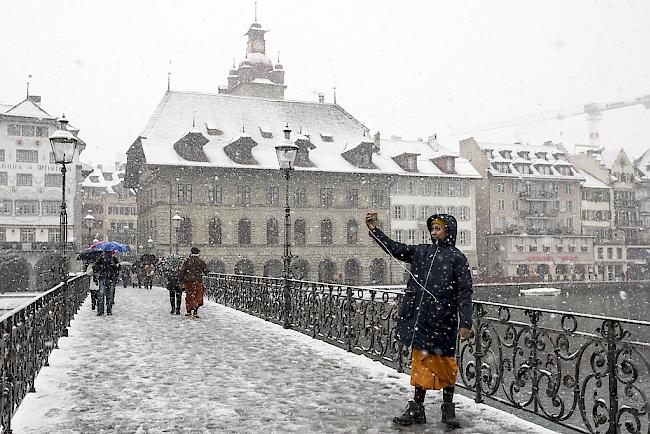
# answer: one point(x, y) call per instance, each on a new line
point(258, 45)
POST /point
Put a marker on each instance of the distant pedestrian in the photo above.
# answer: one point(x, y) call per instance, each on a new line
point(149, 271)
point(191, 274)
point(94, 285)
point(436, 308)
point(107, 270)
point(170, 267)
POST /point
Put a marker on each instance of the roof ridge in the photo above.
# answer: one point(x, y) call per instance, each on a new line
point(32, 103)
point(156, 114)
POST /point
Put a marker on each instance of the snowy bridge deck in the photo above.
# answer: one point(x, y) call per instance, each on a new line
point(143, 370)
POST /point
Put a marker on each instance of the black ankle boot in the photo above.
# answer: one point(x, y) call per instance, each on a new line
point(449, 415)
point(414, 413)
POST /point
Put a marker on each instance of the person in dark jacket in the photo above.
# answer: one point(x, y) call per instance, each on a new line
point(170, 267)
point(107, 270)
point(436, 308)
point(191, 274)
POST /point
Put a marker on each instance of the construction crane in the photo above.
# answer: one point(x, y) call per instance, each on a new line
point(594, 112)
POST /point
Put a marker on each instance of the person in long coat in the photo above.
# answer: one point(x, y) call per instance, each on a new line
point(435, 309)
point(191, 274)
point(107, 270)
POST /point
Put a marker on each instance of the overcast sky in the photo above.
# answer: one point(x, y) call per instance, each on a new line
point(410, 70)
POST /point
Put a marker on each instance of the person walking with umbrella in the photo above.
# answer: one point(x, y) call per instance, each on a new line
point(191, 274)
point(107, 269)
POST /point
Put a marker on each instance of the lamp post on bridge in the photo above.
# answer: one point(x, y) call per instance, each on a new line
point(286, 152)
point(89, 222)
point(64, 145)
point(176, 221)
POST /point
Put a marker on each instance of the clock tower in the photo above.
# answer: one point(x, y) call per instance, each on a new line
point(256, 75)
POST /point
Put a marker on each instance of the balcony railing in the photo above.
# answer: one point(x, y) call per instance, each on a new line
point(585, 372)
point(28, 334)
point(538, 195)
point(626, 203)
point(539, 213)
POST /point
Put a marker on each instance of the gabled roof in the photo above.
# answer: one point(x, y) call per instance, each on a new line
point(592, 182)
point(642, 164)
point(28, 109)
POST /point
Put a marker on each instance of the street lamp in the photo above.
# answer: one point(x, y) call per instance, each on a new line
point(64, 145)
point(89, 222)
point(286, 152)
point(176, 221)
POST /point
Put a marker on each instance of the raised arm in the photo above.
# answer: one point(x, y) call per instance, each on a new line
point(400, 251)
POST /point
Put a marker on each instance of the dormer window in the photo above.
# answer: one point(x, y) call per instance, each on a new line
point(502, 167)
point(94, 178)
point(524, 154)
point(407, 161)
point(266, 132)
point(446, 163)
point(212, 129)
point(489, 153)
point(541, 155)
point(543, 169)
point(302, 156)
point(326, 137)
point(524, 169)
point(239, 150)
point(506, 154)
point(361, 156)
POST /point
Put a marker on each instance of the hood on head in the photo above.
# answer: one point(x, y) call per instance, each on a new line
point(452, 228)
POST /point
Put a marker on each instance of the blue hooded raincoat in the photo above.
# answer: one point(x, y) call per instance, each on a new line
point(448, 294)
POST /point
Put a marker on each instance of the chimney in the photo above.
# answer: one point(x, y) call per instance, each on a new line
point(99, 166)
point(321, 97)
point(36, 99)
point(432, 141)
point(376, 139)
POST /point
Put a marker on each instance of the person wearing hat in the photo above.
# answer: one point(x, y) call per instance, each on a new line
point(191, 274)
point(435, 309)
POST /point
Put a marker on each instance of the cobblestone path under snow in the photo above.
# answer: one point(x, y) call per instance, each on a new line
point(143, 370)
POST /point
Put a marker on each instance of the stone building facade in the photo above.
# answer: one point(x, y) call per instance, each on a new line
point(113, 206)
point(211, 160)
point(31, 187)
point(528, 211)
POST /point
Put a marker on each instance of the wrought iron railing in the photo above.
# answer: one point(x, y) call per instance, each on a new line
point(28, 334)
point(585, 372)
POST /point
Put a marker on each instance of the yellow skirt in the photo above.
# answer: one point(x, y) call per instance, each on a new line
point(431, 371)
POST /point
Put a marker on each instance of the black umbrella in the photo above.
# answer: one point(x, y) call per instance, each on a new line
point(89, 254)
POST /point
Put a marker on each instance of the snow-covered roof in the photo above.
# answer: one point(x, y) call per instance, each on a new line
point(105, 179)
point(591, 182)
point(395, 146)
point(232, 115)
point(643, 165)
point(27, 109)
point(549, 155)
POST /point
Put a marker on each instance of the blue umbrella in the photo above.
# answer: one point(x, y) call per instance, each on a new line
point(111, 246)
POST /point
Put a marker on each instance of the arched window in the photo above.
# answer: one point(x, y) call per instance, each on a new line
point(378, 271)
point(352, 232)
point(244, 231)
point(273, 268)
point(326, 232)
point(245, 266)
point(216, 266)
point(185, 232)
point(326, 271)
point(300, 269)
point(214, 231)
point(300, 233)
point(272, 236)
point(352, 272)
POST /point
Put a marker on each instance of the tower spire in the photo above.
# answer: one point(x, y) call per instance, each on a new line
point(28, 78)
point(169, 76)
point(255, 11)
